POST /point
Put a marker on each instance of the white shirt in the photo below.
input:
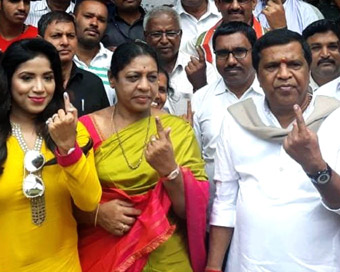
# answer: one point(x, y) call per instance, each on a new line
point(191, 27)
point(299, 14)
point(183, 89)
point(38, 9)
point(100, 65)
point(331, 88)
point(280, 223)
point(210, 104)
point(312, 83)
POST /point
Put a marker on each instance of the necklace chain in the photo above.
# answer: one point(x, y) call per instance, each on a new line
point(132, 167)
point(17, 133)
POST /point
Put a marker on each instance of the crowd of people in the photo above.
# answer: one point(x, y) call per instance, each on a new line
point(196, 136)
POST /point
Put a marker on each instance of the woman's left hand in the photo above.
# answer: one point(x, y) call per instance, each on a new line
point(159, 152)
point(62, 127)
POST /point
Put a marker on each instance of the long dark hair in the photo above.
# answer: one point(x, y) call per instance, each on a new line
point(16, 54)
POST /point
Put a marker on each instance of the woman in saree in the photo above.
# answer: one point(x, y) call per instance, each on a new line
point(152, 213)
point(43, 170)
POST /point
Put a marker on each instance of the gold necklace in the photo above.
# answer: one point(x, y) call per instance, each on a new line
point(132, 167)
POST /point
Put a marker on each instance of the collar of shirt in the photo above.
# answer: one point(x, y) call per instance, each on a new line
point(181, 61)
point(269, 118)
point(313, 84)
point(42, 5)
point(211, 10)
point(255, 87)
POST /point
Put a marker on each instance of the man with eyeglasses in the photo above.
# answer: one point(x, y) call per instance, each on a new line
point(232, 43)
point(323, 38)
point(277, 199)
point(187, 74)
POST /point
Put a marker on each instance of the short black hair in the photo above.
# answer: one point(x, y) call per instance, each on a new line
point(54, 16)
point(235, 27)
point(321, 26)
point(79, 3)
point(279, 37)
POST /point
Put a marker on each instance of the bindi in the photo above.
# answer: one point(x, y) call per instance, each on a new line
point(283, 60)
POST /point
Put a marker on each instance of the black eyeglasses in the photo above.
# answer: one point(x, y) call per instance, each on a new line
point(238, 53)
point(240, 2)
point(171, 34)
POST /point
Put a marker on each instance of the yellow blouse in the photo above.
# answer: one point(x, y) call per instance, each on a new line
point(51, 246)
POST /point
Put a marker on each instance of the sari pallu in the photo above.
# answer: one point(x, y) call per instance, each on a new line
point(102, 251)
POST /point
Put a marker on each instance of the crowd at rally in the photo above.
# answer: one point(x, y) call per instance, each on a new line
point(197, 135)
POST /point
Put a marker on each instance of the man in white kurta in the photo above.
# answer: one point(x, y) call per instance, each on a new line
point(238, 82)
point(279, 218)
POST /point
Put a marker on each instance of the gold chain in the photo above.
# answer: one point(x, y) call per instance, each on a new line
point(132, 167)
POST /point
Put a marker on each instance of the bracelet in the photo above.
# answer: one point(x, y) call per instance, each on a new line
point(96, 215)
point(212, 270)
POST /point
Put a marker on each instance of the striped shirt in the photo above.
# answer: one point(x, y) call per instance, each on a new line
point(38, 9)
point(100, 65)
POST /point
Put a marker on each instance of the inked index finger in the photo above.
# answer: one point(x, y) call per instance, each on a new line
point(299, 118)
point(200, 53)
point(159, 126)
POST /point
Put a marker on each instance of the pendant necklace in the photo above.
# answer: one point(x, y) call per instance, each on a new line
point(33, 185)
point(114, 126)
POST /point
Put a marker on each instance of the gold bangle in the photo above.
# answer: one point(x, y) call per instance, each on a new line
point(96, 215)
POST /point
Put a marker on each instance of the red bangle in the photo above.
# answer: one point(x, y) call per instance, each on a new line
point(212, 270)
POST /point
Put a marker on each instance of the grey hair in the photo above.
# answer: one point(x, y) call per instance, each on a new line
point(155, 12)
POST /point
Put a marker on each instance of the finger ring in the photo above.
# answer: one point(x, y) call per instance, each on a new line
point(153, 138)
point(54, 116)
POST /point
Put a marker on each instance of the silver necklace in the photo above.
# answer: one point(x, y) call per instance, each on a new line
point(33, 185)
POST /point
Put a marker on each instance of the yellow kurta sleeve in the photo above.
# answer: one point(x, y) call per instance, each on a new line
point(81, 176)
point(52, 246)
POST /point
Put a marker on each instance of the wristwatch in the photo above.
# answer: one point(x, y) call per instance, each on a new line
point(321, 177)
point(173, 174)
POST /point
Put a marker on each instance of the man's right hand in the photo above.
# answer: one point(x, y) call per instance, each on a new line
point(275, 14)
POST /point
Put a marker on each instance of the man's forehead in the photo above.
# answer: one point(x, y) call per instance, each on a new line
point(57, 25)
point(165, 20)
point(320, 36)
point(289, 51)
point(237, 39)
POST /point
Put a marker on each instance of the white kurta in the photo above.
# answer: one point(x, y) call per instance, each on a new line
point(280, 223)
point(183, 89)
point(331, 88)
point(192, 27)
point(299, 14)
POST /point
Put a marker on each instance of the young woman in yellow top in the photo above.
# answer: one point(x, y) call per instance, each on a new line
point(43, 170)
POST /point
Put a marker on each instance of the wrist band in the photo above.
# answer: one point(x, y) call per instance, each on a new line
point(96, 216)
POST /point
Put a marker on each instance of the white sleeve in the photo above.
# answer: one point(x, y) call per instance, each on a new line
point(226, 179)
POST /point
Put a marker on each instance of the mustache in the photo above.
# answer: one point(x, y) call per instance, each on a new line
point(326, 61)
point(239, 11)
point(92, 29)
point(232, 68)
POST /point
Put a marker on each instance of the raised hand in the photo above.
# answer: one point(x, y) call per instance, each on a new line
point(189, 117)
point(159, 152)
point(62, 126)
point(302, 145)
point(117, 216)
point(275, 14)
point(196, 70)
